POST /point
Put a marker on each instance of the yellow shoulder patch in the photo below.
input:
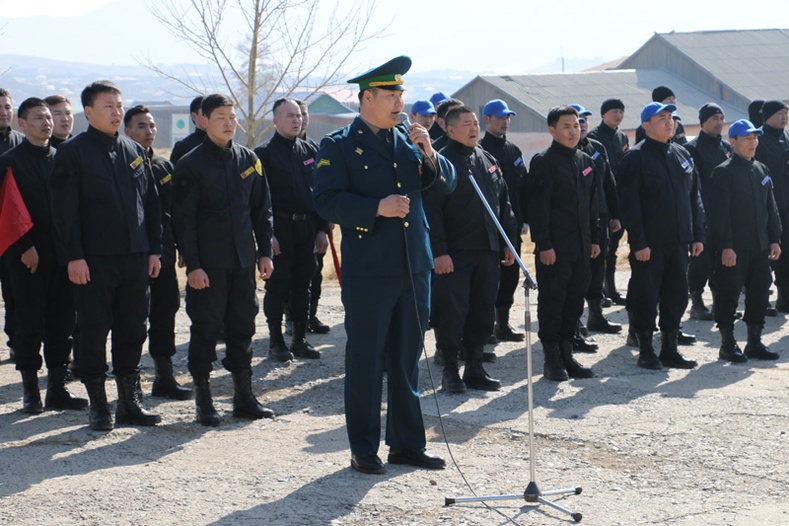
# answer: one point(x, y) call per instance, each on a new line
point(246, 173)
point(137, 162)
point(166, 179)
point(259, 167)
point(323, 162)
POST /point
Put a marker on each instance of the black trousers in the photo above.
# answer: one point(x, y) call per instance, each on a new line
point(230, 302)
point(560, 296)
point(465, 299)
point(43, 313)
point(700, 268)
point(751, 271)
point(316, 283)
point(165, 301)
point(293, 271)
point(663, 281)
point(115, 299)
point(509, 276)
point(598, 265)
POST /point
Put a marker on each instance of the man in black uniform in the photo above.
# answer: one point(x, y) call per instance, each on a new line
point(108, 220)
point(563, 215)
point(661, 209)
point(708, 151)
point(221, 208)
point(140, 127)
point(496, 115)
point(466, 247)
point(195, 138)
point(746, 229)
point(62, 119)
point(441, 112)
point(435, 99)
point(45, 306)
point(772, 145)
point(288, 162)
point(664, 95)
point(755, 112)
point(608, 208)
point(616, 143)
point(8, 139)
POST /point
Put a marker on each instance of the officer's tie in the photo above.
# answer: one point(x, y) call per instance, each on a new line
point(384, 135)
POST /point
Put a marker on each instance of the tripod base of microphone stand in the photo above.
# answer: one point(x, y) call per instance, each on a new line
point(532, 495)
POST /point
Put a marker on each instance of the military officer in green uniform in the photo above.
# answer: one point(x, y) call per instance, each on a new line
point(368, 179)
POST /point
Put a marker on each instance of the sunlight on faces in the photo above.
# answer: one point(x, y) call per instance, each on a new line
point(425, 121)
point(464, 129)
point(714, 125)
point(288, 119)
point(381, 107)
point(305, 118)
point(106, 112)
point(497, 126)
point(221, 125)
point(567, 131)
point(142, 130)
point(777, 120)
point(583, 124)
point(660, 127)
point(613, 118)
point(37, 125)
point(745, 146)
point(62, 119)
point(6, 112)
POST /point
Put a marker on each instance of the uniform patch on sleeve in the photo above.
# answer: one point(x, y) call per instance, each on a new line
point(766, 180)
point(254, 168)
point(519, 161)
point(587, 171)
point(309, 161)
point(259, 167)
point(493, 169)
point(323, 162)
point(166, 179)
point(359, 151)
point(685, 165)
point(595, 156)
point(137, 162)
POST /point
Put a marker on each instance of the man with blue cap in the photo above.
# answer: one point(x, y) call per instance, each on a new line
point(660, 205)
point(369, 177)
point(746, 229)
point(435, 130)
point(423, 113)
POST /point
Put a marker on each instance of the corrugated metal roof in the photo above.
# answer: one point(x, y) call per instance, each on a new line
point(541, 92)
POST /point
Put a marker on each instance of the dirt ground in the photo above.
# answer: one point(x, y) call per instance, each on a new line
point(700, 447)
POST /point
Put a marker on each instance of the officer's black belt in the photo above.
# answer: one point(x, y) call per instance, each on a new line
point(293, 217)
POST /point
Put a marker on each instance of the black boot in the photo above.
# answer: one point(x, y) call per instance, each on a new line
point(100, 416)
point(729, 349)
point(58, 397)
point(164, 383)
point(755, 348)
point(699, 311)
point(475, 376)
point(277, 349)
point(597, 320)
point(610, 290)
point(206, 414)
point(632, 337)
point(670, 355)
point(130, 410)
point(502, 330)
point(31, 396)
point(782, 300)
point(554, 367)
point(685, 338)
point(581, 344)
point(315, 325)
point(646, 353)
point(245, 405)
point(300, 347)
point(450, 381)
point(573, 368)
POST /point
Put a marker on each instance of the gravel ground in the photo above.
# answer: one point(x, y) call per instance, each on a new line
point(700, 447)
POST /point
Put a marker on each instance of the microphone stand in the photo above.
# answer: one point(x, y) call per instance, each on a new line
point(532, 494)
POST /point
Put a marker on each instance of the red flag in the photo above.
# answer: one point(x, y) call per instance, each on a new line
point(14, 218)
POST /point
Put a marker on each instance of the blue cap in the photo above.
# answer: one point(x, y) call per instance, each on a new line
point(423, 107)
point(498, 108)
point(743, 127)
point(437, 97)
point(653, 108)
point(582, 112)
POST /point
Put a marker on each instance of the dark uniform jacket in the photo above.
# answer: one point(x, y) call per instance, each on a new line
point(104, 199)
point(563, 205)
point(9, 138)
point(708, 152)
point(55, 142)
point(607, 200)
point(659, 196)
point(512, 165)
point(187, 144)
point(163, 175)
point(288, 165)
point(221, 207)
point(616, 143)
point(743, 214)
point(31, 166)
point(772, 145)
point(459, 221)
point(353, 173)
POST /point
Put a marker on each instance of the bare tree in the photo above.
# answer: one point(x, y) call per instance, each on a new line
point(280, 47)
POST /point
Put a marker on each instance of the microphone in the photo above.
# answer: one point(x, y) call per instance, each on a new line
point(404, 121)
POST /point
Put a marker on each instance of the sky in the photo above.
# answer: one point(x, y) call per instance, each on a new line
point(485, 37)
